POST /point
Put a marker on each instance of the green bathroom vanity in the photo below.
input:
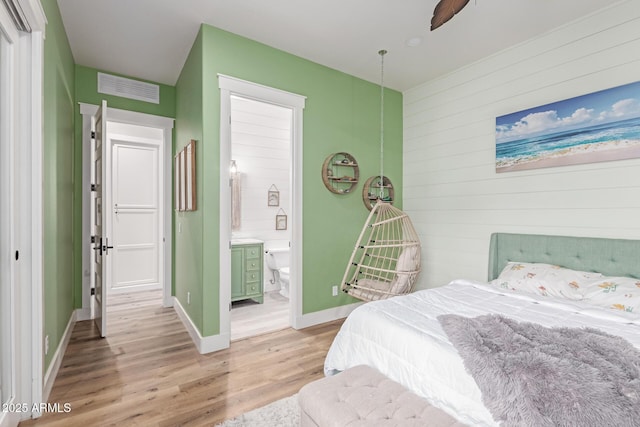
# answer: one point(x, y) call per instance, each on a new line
point(247, 257)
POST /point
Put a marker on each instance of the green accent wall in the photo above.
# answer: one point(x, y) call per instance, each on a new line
point(86, 91)
point(342, 114)
point(188, 237)
point(58, 177)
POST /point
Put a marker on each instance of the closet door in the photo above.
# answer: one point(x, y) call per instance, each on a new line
point(22, 342)
point(9, 270)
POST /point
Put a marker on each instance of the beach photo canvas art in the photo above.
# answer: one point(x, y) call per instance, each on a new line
point(598, 127)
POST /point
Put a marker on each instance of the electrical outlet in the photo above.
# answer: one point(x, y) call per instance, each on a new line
point(334, 290)
point(188, 298)
point(46, 345)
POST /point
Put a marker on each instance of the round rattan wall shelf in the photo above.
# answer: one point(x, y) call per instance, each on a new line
point(371, 191)
point(340, 173)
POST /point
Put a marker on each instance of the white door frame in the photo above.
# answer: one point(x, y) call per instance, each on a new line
point(27, 62)
point(133, 118)
point(233, 86)
point(8, 218)
point(101, 165)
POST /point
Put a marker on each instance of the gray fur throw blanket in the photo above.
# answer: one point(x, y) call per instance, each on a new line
point(531, 375)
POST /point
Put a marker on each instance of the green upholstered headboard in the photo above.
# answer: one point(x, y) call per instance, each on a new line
point(611, 257)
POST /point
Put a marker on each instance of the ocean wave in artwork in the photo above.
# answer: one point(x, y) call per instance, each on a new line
point(603, 142)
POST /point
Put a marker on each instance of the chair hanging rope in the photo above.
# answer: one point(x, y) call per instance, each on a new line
point(382, 53)
point(385, 261)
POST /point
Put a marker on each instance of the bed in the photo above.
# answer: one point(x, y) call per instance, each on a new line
point(404, 337)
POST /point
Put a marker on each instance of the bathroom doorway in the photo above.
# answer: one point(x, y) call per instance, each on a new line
point(261, 138)
point(291, 221)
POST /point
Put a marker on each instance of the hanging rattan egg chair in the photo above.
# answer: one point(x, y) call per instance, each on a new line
point(386, 259)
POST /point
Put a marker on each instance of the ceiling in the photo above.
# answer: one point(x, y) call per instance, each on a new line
point(150, 39)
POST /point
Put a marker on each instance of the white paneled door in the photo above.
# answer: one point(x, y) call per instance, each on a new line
point(135, 208)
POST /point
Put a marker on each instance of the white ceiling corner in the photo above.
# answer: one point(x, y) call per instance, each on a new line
point(150, 39)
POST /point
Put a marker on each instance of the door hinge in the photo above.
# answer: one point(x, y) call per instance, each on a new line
point(93, 135)
point(93, 291)
point(94, 187)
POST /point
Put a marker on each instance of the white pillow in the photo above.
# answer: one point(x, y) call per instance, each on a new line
point(545, 279)
point(407, 262)
point(619, 293)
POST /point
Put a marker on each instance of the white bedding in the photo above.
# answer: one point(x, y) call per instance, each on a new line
point(402, 338)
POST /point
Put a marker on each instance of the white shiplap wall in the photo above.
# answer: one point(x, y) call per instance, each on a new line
point(451, 189)
point(261, 147)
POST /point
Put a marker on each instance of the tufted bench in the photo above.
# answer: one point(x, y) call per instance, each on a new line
point(362, 396)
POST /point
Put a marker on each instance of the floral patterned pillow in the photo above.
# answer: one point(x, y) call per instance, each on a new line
point(545, 279)
point(618, 293)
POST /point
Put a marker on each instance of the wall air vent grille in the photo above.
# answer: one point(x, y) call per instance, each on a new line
point(127, 88)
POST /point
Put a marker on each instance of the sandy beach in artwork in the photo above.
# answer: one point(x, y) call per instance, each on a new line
point(586, 153)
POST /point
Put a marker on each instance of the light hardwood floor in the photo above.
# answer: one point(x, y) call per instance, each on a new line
point(148, 371)
point(249, 318)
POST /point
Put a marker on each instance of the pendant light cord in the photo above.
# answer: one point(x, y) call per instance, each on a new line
point(381, 190)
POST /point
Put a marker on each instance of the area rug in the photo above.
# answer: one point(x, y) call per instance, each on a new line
point(282, 413)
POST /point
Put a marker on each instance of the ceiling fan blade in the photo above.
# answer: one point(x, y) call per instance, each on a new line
point(445, 10)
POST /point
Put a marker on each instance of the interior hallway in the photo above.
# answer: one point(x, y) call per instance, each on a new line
point(148, 371)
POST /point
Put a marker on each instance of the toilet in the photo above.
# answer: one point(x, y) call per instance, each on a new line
point(278, 262)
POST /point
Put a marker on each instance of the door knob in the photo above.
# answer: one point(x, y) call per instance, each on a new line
point(106, 246)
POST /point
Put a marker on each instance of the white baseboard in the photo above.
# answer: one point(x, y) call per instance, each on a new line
point(83, 314)
point(220, 342)
point(203, 344)
point(324, 316)
point(56, 361)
